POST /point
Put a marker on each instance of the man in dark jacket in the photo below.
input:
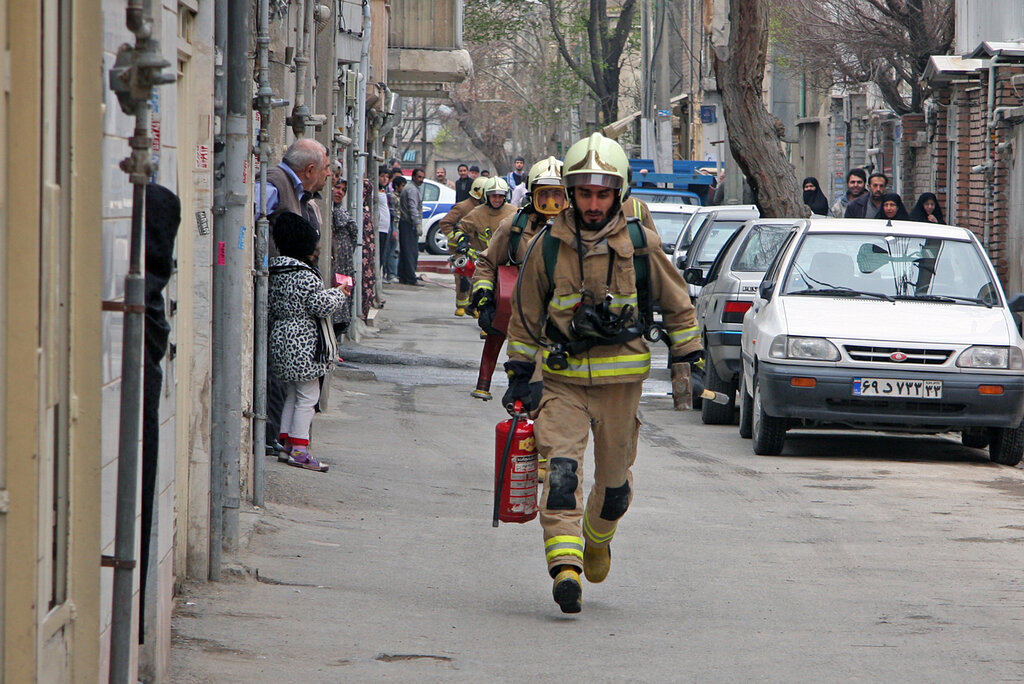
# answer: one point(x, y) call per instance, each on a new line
point(869, 205)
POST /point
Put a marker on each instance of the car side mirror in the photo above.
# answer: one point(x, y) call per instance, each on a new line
point(694, 276)
point(765, 290)
point(1016, 303)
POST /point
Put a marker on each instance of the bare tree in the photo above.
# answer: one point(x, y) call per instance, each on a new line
point(739, 49)
point(885, 42)
point(520, 96)
point(597, 60)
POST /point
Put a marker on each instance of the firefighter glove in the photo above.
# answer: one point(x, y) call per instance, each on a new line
point(482, 298)
point(520, 388)
point(461, 243)
point(486, 320)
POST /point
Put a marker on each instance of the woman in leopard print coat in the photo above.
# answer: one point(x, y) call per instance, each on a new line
point(296, 301)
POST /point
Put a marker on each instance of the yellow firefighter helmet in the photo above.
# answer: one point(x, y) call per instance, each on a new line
point(546, 187)
point(476, 190)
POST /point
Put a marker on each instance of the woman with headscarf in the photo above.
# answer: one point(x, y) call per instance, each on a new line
point(927, 209)
point(892, 208)
point(814, 197)
point(343, 247)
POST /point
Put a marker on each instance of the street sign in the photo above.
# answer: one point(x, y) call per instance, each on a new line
point(708, 114)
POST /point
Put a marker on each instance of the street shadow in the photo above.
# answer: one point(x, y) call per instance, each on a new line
point(881, 446)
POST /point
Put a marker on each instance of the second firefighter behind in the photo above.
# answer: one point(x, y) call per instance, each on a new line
point(473, 233)
point(581, 303)
point(508, 242)
point(447, 227)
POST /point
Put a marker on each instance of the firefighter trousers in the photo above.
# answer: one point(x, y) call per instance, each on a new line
point(567, 415)
point(463, 285)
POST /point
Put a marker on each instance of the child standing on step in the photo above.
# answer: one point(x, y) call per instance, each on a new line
point(301, 347)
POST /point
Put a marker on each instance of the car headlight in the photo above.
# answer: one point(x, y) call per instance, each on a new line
point(991, 357)
point(809, 348)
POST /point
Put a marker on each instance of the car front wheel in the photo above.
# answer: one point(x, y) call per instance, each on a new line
point(437, 241)
point(768, 432)
point(1006, 445)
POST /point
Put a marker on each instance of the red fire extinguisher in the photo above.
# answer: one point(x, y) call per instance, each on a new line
point(515, 469)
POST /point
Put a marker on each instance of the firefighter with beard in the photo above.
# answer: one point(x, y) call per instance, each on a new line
point(580, 302)
point(447, 227)
point(473, 233)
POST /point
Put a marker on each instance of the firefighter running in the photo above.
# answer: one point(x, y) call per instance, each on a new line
point(473, 233)
point(447, 227)
point(594, 279)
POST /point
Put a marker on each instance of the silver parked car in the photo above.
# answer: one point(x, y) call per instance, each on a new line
point(728, 289)
point(706, 232)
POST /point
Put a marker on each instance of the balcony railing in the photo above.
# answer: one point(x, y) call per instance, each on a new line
point(426, 24)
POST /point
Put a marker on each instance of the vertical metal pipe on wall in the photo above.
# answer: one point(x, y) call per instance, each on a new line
point(359, 162)
point(219, 324)
point(259, 381)
point(237, 219)
point(136, 71)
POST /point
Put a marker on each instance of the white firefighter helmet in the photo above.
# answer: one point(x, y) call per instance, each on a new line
point(597, 160)
point(496, 186)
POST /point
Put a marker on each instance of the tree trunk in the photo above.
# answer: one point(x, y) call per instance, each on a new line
point(739, 53)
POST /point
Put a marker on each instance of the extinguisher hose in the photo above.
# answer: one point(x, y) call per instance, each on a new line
point(500, 486)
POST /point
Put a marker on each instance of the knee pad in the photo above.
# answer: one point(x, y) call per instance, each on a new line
point(562, 483)
point(616, 501)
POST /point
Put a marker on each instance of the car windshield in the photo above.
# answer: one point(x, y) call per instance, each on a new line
point(759, 249)
point(669, 224)
point(720, 231)
point(891, 267)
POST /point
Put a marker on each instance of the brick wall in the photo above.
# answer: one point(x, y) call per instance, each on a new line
point(961, 121)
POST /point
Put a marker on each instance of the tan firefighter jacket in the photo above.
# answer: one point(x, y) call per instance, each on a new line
point(605, 364)
point(497, 254)
point(481, 223)
point(454, 215)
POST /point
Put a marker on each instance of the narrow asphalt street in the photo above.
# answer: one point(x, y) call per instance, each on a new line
point(851, 557)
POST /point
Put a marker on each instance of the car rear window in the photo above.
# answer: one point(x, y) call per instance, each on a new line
point(669, 224)
point(760, 247)
point(720, 232)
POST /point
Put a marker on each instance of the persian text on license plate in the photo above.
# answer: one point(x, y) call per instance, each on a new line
point(893, 387)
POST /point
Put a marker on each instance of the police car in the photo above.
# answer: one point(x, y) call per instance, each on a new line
point(437, 201)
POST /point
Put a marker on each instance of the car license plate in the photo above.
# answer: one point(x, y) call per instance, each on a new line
point(893, 387)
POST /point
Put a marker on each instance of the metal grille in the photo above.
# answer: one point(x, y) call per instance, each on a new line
point(928, 357)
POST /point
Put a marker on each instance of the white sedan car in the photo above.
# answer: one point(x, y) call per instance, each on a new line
point(883, 325)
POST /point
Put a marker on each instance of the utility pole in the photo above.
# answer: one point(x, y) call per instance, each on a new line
point(656, 111)
point(662, 95)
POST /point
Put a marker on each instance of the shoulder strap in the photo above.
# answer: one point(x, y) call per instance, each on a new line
point(641, 268)
point(519, 224)
point(550, 247)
